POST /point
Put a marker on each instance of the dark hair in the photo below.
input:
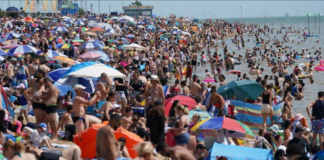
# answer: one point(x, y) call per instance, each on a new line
point(222, 75)
point(320, 94)
point(277, 137)
point(183, 83)
point(115, 117)
point(278, 154)
point(287, 124)
point(315, 149)
point(161, 146)
point(128, 109)
point(20, 118)
point(198, 99)
point(111, 94)
point(260, 132)
point(69, 107)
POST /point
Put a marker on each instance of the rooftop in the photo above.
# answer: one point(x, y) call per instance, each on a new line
point(137, 7)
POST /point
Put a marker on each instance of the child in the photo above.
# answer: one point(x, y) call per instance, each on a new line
point(22, 99)
point(208, 75)
point(38, 136)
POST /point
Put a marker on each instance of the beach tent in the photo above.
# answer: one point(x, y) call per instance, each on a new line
point(5, 102)
point(250, 114)
point(238, 152)
point(126, 18)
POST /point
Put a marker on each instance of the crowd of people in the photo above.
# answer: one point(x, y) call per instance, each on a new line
point(173, 53)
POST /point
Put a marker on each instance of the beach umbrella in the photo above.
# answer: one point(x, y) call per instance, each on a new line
point(78, 23)
point(97, 29)
point(147, 22)
point(64, 46)
point(60, 29)
point(96, 41)
point(231, 127)
point(89, 55)
point(83, 29)
point(8, 23)
point(243, 90)
point(58, 39)
point(125, 40)
point(184, 100)
point(34, 25)
point(2, 53)
point(78, 40)
point(150, 27)
point(10, 36)
point(174, 32)
point(92, 70)
point(203, 114)
point(162, 30)
point(134, 46)
point(140, 23)
point(1, 58)
point(90, 45)
point(9, 46)
point(21, 50)
point(112, 41)
point(86, 140)
point(91, 33)
point(72, 81)
point(101, 25)
point(109, 34)
point(64, 60)
point(114, 18)
point(104, 56)
point(57, 74)
point(76, 43)
point(128, 18)
point(51, 54)
point(130, 36)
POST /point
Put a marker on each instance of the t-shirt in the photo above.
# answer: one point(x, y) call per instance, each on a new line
point(37, 138)
point(319, 155)
point(120, 88)
point(302, 144)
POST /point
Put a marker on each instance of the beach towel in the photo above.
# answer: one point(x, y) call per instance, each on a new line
point(20, 77)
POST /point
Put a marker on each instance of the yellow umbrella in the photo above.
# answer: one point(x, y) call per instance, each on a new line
point(64, 59)
point(106, 47)
point(91, 33)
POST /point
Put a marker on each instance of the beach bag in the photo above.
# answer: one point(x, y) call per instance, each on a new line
point(170, 139)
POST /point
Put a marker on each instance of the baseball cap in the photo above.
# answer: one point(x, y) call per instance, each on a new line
point(200, 146)
point(21, 85)
point(78, 86)
point(275, 128)
point(43, 126)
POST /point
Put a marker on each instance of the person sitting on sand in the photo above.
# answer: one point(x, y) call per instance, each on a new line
point(38, 136)
point(199, 105)
point(208, 75)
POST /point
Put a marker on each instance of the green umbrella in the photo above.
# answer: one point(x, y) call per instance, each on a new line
point(248, 131)
point(166, 35)
point(203, 114)
point(78, 40)
point(243, 90)
point(114, 18)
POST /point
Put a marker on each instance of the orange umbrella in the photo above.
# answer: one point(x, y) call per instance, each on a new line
point(76, 43)
point(97, 29)
point(86, 140)
point(64, 59)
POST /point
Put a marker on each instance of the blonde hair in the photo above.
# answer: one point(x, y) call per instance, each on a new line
point(106, 139)
point(183, 108)
point(16, 146)
point(144, 148)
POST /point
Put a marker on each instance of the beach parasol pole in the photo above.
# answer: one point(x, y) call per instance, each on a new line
point(315, 19)
point(308, 21)
point(319, 23)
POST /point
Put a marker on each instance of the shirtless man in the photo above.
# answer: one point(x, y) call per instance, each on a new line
point(199, 105)
point(44, 67)
point(195, 87)
point(216, 101)
point(194, 60)
point(31, 69)
point(79, 103)
point(126, 120)
point(104, 87)
point(222, 78)
point(10, 69)
point(155, 92)
point(50, 99)
point(185, 88)
point(66, 117)
point(228, 63)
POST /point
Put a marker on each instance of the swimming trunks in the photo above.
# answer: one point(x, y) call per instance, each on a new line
point(50, 109)
point(101, 103)
point(75, 119)
point(40, 106)
point(194, 62)
point(318, 125)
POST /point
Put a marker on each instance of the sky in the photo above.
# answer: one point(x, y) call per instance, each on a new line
point(205, 9)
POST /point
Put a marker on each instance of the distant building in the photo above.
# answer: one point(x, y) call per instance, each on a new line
point(12, 12)
point(136, 11)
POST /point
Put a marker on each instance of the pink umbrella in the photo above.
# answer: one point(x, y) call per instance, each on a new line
point(90, 55)
point(9, 46)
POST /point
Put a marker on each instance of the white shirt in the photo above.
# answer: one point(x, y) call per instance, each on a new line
point(37, 138)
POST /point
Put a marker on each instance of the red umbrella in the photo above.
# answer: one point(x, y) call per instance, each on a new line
point(97, 29)
point(89, 55)
point(184, 100)
point(76, 44)
point(9, 46)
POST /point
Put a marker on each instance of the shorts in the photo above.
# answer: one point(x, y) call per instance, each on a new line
point(24, 107)
point(75, 119)
point(50, 109)
point(182, 139)
point(318, 125)
point(40, 106)
point(121, 95)
point(101, 103)
point(204, 60)
point(194, 62)
point(265, 108)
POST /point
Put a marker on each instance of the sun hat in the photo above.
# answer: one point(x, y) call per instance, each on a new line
point(154, 78)
point(275, 128)
point(78, 86)
point(298, 117)
point(21, 85)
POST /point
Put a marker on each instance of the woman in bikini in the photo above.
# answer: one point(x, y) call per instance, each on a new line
point(266, 109)
point(38, 104)
point(216, 103)
point(175, 89)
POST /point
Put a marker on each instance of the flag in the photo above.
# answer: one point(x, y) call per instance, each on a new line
point(250, 114)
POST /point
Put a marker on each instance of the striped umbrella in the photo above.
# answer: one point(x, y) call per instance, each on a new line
point(103, 57)
point(79, 23)
point(63, 46)
point(83, 29)
point(78, 40)
point(34, 25)
point(90, 45)
point(10, 36)
point(2, 53)
point(60, 29)
point(58, 39)
point(96, 41)
point(130, 36)
point(21, 50)
point(98, 29)
point(64, 59)
point(112, 41)
point(51, 54)
point(9, 46)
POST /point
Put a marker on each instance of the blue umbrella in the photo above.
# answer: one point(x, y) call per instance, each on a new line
point(10, 36)
point(96, 41)
point(104, 56)
point(64, 89)
point(147, 22)
point(130, 36)
point(111, 30)
point(2, 53)
point(177, 23)
point(124, 40)
point(57, 74)
point(58, 46)
point(23, 49)
point(174, 32)
point(150, 27)
point(140, 23)
point(60, 29)
point(51, 53)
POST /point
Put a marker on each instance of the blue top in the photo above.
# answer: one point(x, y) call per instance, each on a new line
point(23, 100)
point(294, 89)
point(319, 155)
